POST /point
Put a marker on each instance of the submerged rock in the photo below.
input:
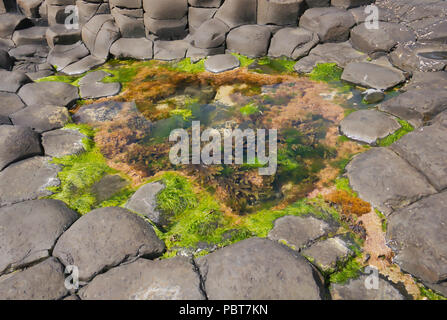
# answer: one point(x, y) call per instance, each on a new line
point(221, 63)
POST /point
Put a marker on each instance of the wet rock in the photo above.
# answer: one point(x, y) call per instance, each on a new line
point(12, 81)
point(63, 142)
point(140, 48)
point(49, 93)
point(372, 75)
point(327, 253)
point(415, 106)
point(339, 53)
point(28, 180)
point(356, 289)
point(169, 279)
point(62, 56)
point(43, 281)
point(101, 111)
point(386, 181)
point(293, 43)
point(221, 63)
point(426, 150)
point(331, 24)
point(418, 235)
point(235, 13)
point(257, 269)
point(368, 126)
point(298, 231)
point(85, 64)
point(108, 186)
point(30, 230)
point(17, 143)
point(10, 103)
point(41, 118)
point(419, 57)
point(380, 40)
point(104, 238)
point(144, 202)
point(249, 40)
point(372, 96)
point(92, 87)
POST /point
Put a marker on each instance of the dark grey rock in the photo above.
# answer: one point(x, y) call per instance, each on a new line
point(92, 87)
point(60, 35)
point(372, 96)
point(235, 13)
point(170, 50)
point(197, 16)
point(372, 75)
point(221, 63)
point(140, 48)
point(419, 57)
point(49, 93)
point(292, 43)
point(429, 80)
point(169, 279)
point(418, 235)
point(99, 34)
point(416, 106)
point(100, 112)
point(43, 281)
point(328, 253)
point(30, 230)
point(62, 56)
point(368, 126)
point(257, 269)
point(168, 9)
point(386, 181)
point(297, 232)
point(33, 35)
point(279, 12)
point(63, 142)
point(129, 22)
point(166, 29)
point(85, 64)
point(144, 202)
point(28, 180)
point(211, 34)
point(41, 118)
point(5, 60)
point(17, 143)
point(105, 238)
point(108, 186)
point(249, 40)
point(9, 22)
point(12, 81)
point(350, 3)
point(10, 103)
point(356, 289)
point(426, 150)
point(331, 24)
point(30, 7)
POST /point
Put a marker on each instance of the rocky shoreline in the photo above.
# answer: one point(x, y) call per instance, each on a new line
point(116, 251)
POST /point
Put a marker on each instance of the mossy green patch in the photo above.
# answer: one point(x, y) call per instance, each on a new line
point(278, 65)
point(351, 270)
point(382, 219)
point(245, 61)
point(249, 109)
point(343, 185)
point(389, 140)
point(430, 294)
point(326, 72)
point(73, 80)
point(186, 65)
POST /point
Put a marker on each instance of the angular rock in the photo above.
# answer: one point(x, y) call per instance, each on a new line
point(222, 62)
point(169, 279)
point(86, 64)
point(63, 142)
point(43, 281)
point(99, 34)
point(30, 230)
point(368, 126)
point(166, 29)
point(28, 180)
point(170, 50)
point(235, 13)
point(41, 118)
point(49, 93)
point(129, 22)
point(257, 269)
point(327, 253)
point(30, 7)
point(144, 202)
point(372, 75)
point(101, 111)
point(167, 9)
point(105, 238)
point(249, 40)
point(91, 87)
point(17, 143)
point(140, 49)
point(426, 150)
point(356, 289)
point(418, 234)
point(298, 231)
point(416, 106)
point(10, 22)
point(279, 12)
point(424, 57)
point(59, 34)
point(5, 60)
point(211, 34)
point(12, 81)
point(433, 80)
point(62, 56)
point(197, 16)
point(109, 185)
point(386, 181)
point(292, 43)
point(347, 4)
point(10, 103)
point(331, 24)
point(372, 96)
point(33, 35)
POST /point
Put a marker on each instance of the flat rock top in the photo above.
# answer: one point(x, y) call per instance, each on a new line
point(418, 233)
point(170, 279)
point(221, 62)
point(368, 126)
point(104, 238)
point(385, 180)
point(325, 254)
point(30, 230)
point(257, 269)
point(372, 75)
point(43, 281)
point(49, 93)
point(63, 142)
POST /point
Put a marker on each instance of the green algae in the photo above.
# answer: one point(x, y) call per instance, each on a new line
point(61, 78)
point(430, 294)
point(326, 72)
point(187, 65)
point(389, 140)
point(351, 270)
point(249, 109)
